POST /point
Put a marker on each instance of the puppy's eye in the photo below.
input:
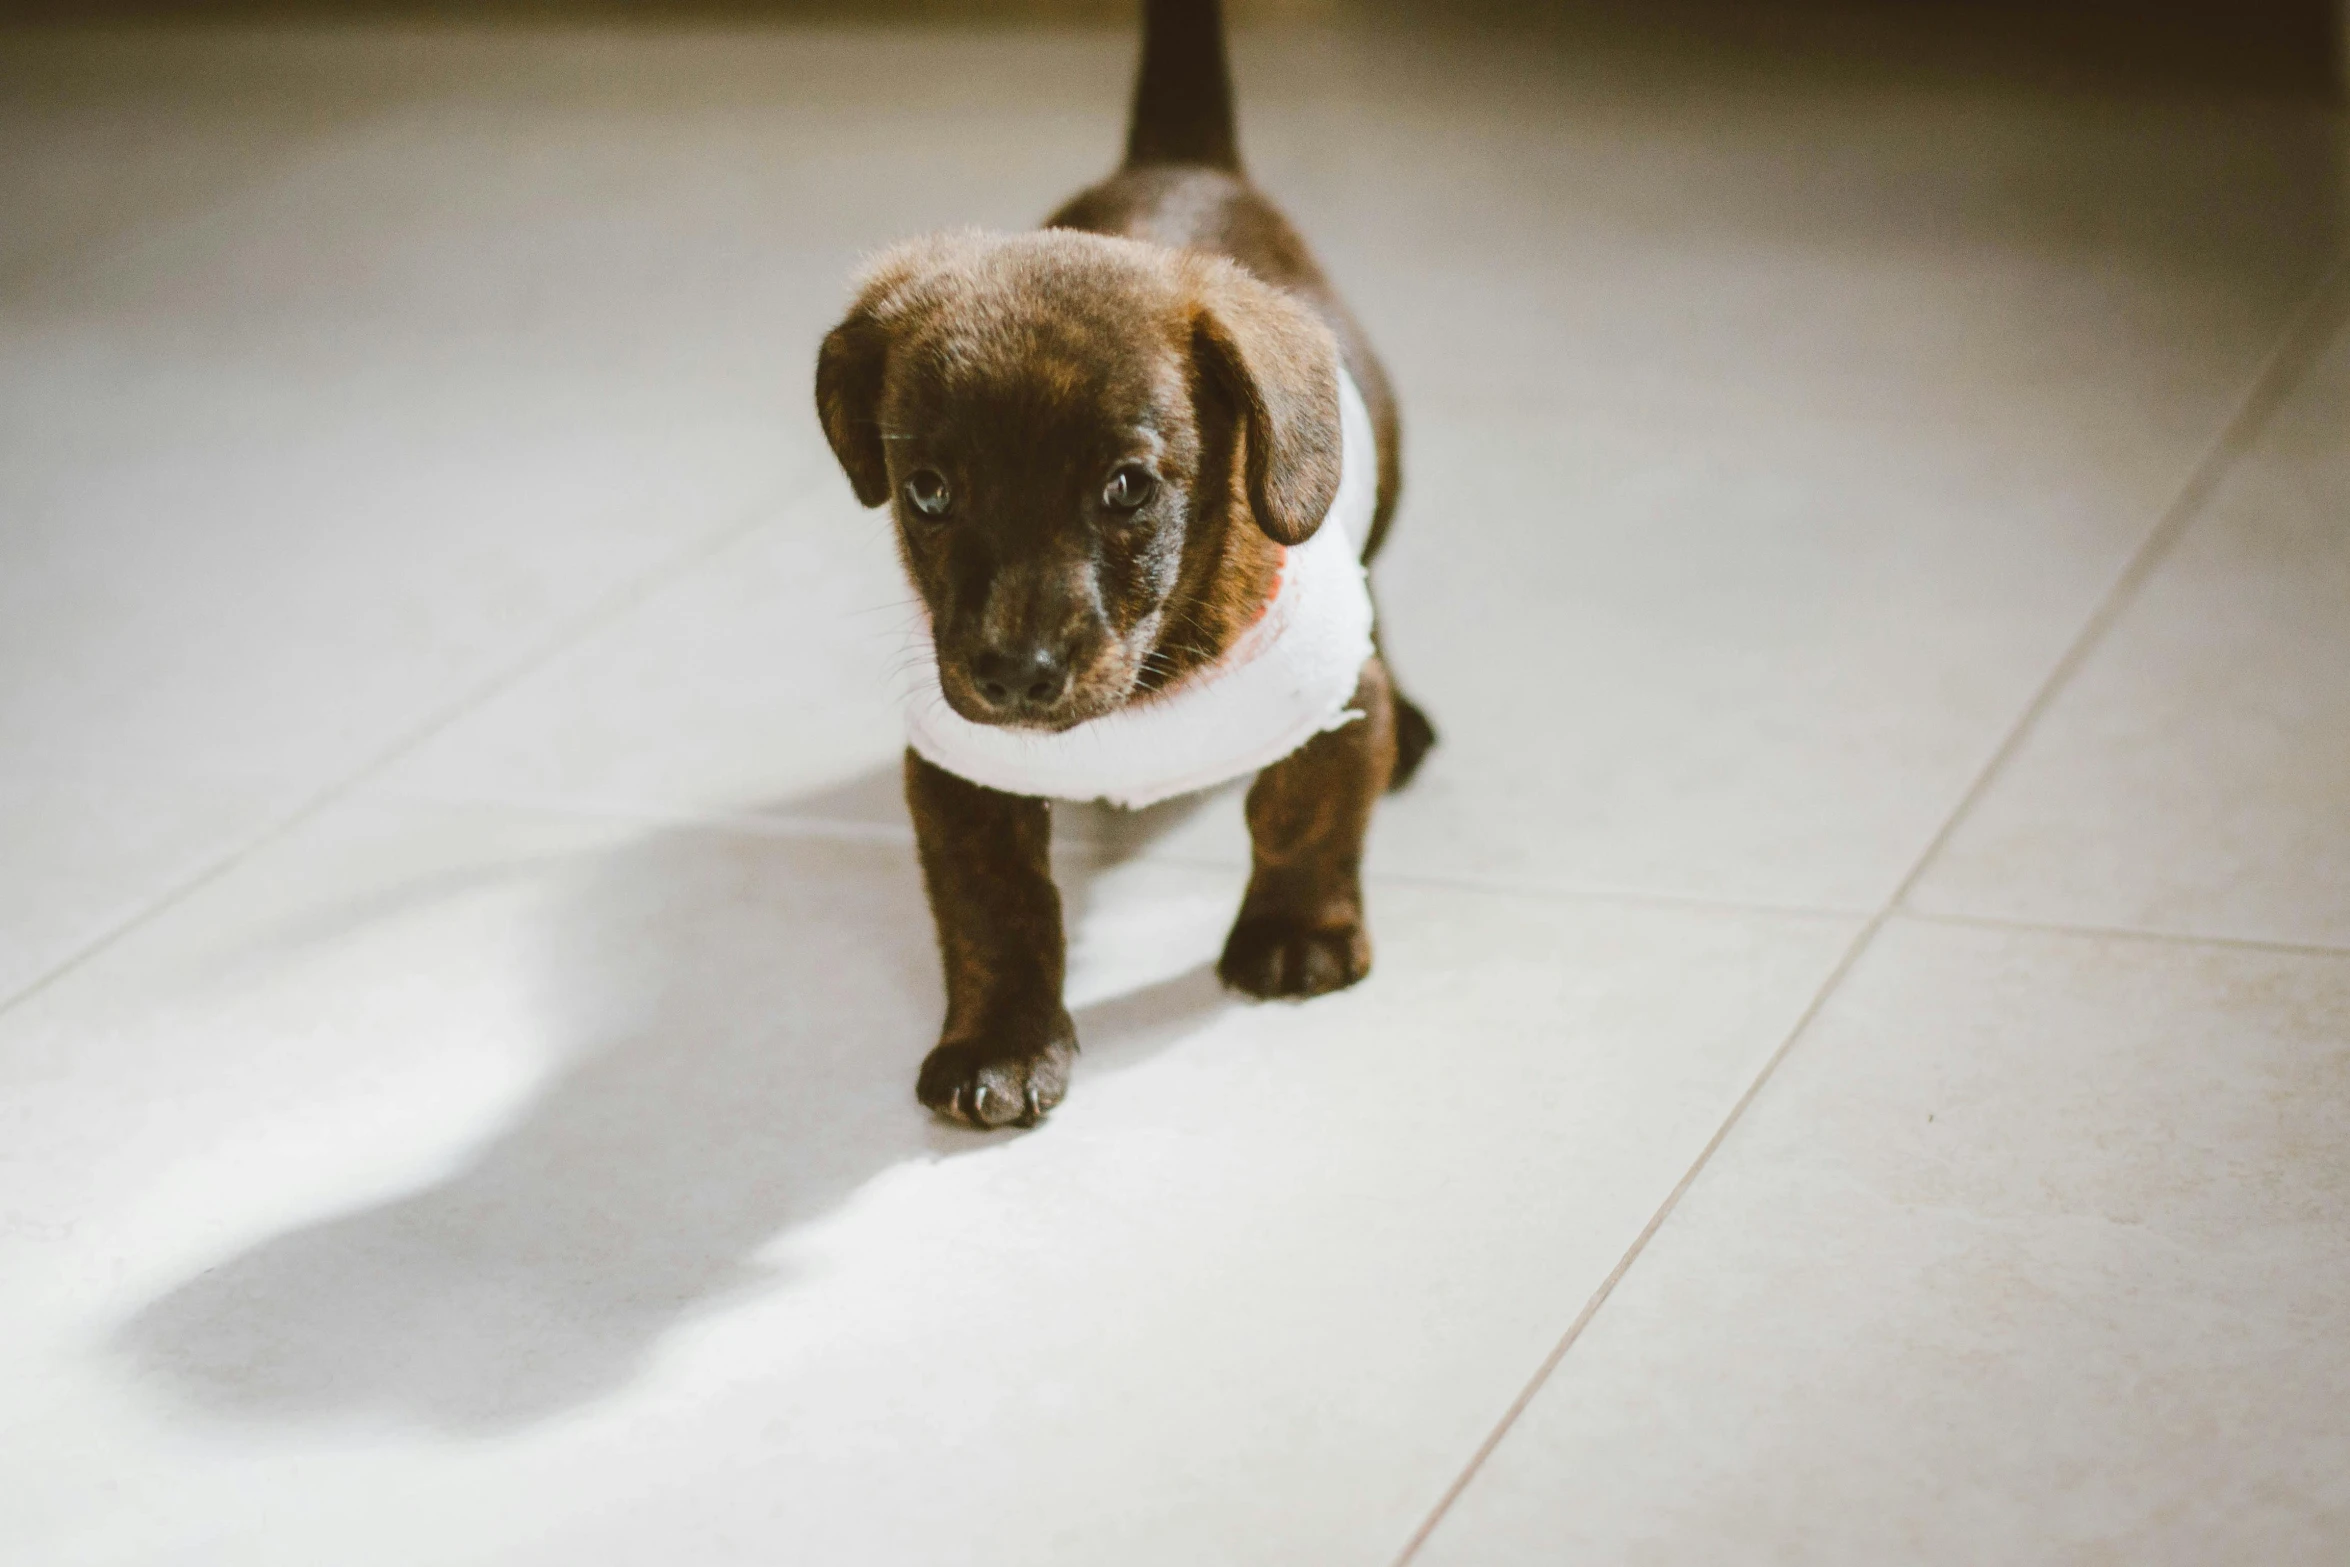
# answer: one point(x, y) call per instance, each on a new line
point(927, 492)
point(1129, 487)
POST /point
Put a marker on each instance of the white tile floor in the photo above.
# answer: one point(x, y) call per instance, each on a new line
point(1859, 1068)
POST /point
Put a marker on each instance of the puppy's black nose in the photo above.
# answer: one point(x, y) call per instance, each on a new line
point(1032, 676)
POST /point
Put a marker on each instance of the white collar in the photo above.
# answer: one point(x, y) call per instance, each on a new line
point(1287, 679)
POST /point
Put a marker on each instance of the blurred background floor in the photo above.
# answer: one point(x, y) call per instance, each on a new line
point(1859, 1064)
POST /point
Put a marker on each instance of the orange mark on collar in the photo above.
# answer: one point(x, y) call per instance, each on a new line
point(1266, 607)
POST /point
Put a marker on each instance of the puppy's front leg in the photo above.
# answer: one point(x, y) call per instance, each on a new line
point(1300, 931)
point(1005, 1053)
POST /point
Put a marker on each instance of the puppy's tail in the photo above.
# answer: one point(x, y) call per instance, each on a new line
point(1183, 93)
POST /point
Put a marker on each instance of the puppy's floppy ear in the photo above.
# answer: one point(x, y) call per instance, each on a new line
point(848, 399)
point(1278, 364)
point(901, 284)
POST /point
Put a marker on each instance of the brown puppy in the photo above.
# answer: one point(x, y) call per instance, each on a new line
point(1098, 438)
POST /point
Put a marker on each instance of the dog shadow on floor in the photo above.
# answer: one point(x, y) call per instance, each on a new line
point(738, 1019)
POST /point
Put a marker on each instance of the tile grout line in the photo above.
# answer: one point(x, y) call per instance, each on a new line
point(786, 828)
point(782, 826)
point(1634, 897)
point(2167, 938)
point(779, 826)
point(1632, 1253)
point(627, 596)
point(2296, 346)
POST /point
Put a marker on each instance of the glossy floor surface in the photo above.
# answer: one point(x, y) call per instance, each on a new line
point(1858, 1068)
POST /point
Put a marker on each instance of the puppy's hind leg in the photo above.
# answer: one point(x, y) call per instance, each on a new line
point(1415, 737)
point(1300, 931)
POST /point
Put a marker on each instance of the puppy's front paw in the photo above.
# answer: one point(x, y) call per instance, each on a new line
point(999, 1081)
point(1287, 959)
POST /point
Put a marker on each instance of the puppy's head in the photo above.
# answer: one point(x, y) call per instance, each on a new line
point(1086, 442)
